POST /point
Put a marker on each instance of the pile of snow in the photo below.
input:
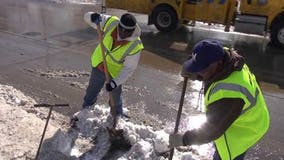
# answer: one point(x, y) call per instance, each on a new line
point(13, 97)
point(146, 143)
point(20, 131)
point(89, 139)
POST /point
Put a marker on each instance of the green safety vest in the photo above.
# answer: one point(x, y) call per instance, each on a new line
point(253, 122)
point(115, 57)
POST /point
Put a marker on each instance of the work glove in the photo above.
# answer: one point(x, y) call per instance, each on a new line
point(96, 18)
point(175, 140)
point(111, 86)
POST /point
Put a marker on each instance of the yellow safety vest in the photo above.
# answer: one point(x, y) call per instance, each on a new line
point(253, 122)
point(115, 57)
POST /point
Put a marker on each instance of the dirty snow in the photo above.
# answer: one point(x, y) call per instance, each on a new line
point(21, 128)
point(146, 143)
point(22, 125)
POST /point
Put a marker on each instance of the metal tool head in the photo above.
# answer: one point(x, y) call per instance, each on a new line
point(118, 140)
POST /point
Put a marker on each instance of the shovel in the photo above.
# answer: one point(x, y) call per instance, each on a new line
point(47, 120)
point(116, 140)
point(108, 79)
point(179, 113)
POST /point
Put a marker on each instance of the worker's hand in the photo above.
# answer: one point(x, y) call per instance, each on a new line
point(96, 18)
point(175, 140)
point(111, 86)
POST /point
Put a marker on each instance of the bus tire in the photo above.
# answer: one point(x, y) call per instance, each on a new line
point(165, 19)
point(277, 34)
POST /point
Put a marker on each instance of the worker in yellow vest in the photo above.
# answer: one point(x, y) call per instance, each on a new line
point(121, 39)
point(237, 116)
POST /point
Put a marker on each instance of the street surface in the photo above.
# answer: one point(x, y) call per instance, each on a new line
point(45, 53)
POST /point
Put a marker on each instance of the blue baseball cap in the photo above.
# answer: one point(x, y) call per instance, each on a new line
point(204, 53)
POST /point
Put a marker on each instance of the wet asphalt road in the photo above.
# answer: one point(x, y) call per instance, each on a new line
point(45, 50)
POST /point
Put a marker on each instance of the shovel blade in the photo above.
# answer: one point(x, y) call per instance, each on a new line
point(118, 140)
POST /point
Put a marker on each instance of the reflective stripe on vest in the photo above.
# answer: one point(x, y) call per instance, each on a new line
point(237, 88)
point(110, 26)
point(253, 122)
point(126, 53)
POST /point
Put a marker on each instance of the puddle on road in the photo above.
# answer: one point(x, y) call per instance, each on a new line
point(44, 18)
point(40, 20)
point(272, 90)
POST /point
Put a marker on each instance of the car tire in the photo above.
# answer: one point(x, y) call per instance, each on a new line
point(277, 34)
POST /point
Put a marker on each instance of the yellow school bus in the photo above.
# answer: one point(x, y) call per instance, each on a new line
point(247, 16)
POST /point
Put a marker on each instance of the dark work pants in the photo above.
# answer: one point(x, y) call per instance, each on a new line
point(96, 83)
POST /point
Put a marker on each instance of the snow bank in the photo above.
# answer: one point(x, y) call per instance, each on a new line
point(20, 131)
point(146, 143)
point(13, 97)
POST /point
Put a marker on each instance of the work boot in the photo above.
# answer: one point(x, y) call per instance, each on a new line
point(123, 115)
point(74, 119)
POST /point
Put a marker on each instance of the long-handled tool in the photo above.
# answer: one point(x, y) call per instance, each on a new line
point(47, 120)
point(108, 79)
point(179, 113)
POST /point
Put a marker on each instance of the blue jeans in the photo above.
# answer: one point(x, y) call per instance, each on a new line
point(96, 83)
point(216, 155)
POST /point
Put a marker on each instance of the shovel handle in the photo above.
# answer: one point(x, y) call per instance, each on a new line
point(51, 105)
point(100, 34)
point(179, 113)
point(108, 79)
point(44, 130)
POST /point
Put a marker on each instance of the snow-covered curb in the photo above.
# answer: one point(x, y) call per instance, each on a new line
point(146, 143)
point(20, 131)
point(22, 125)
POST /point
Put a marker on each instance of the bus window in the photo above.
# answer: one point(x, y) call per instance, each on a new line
point(191, 1)
point(262, 2)
point(222, 2)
